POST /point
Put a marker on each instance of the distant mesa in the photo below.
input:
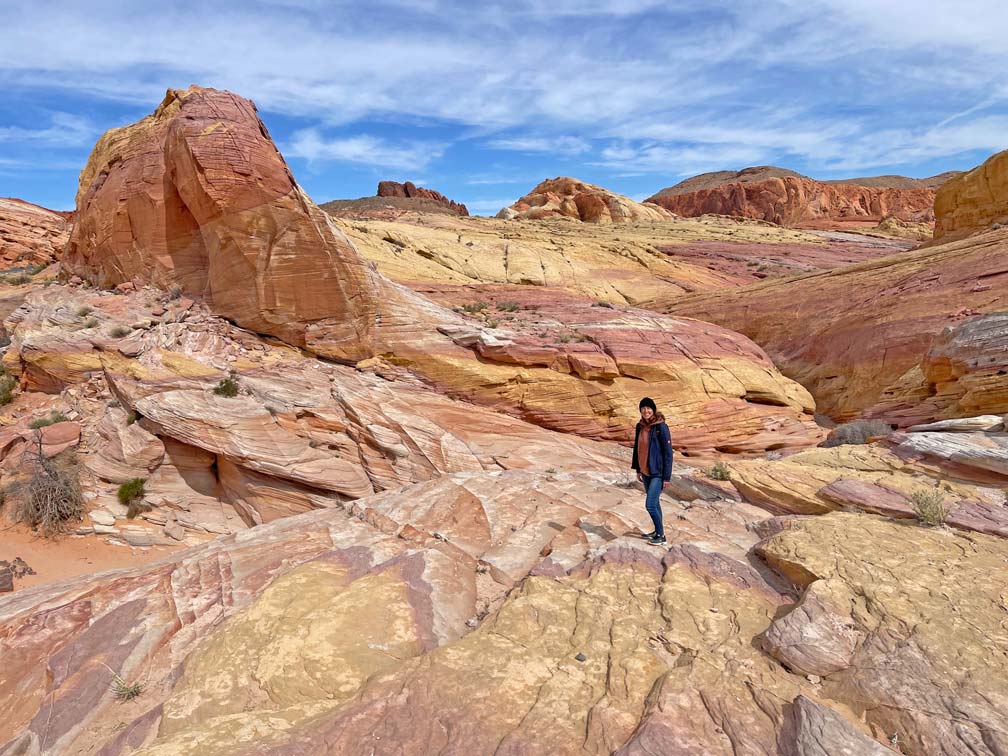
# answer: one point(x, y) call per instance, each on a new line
point(31, 235)
point(787, 198)
point(392, 200)
point(568, 198)
point(973, 201)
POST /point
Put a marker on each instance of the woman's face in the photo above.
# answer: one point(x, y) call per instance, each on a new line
point(646, 413)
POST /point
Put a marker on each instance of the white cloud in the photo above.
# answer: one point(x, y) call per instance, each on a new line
point(64, 130)
point(563, 145)
point(365, 149)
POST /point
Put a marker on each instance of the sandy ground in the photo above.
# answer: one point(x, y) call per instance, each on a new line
point(69, 556)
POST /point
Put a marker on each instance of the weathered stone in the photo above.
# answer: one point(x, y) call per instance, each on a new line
point(29, 234)
point(822, 731)
point(974, 201)
point(569, 198)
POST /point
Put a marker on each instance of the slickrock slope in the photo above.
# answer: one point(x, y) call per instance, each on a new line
point(850, 334)
point(490, 611)
point(565, 197)
point(409, 189)
point(974, 201)
point(29, 234)
point(211, 206)
point(625, 264)
point(793, 200)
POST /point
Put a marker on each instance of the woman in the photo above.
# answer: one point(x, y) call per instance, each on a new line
point(652, 459)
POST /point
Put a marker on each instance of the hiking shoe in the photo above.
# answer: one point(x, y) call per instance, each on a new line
point(650, 535)
point(656, 540)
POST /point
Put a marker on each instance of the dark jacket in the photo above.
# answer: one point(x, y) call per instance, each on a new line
point(659, 455)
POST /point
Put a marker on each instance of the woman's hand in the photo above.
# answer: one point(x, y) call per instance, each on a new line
point(664, 485)
point(640, 477)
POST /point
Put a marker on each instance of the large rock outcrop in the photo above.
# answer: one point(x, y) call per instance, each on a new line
point(31, 235)
point(565, 197)
point(197, 195)
point(974, 201)
point(851, 335)
point(789, 199)
point(490, 611)
point(411, 190)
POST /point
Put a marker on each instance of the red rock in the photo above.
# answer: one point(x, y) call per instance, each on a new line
point(793, 200)
point(409, 189)
point(569, 198)
point(30, 234)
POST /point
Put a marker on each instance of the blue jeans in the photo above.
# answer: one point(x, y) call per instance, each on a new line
point(653, 486)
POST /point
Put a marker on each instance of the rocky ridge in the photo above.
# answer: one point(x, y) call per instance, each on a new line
point(31, 235)
point(974, 201)
point(568, 198)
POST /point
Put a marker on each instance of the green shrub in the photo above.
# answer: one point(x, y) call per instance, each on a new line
point(602, 303)
point(508, 306)
point(131, 495)
point(856, 432)
point(18, 279)
point(51, 419)
point(175, 292)
point(491, 324)
point(119, 332)
point(227, 387)
point(91, 323)
point(929, 506)
point(7, 385)
point(131, 417)
point(475, 307)
point(720, 471)
point(84, 311)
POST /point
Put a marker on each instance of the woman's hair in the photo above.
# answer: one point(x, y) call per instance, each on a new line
point(647, 401)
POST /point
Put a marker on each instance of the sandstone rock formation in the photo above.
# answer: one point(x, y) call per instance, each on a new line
point(973, 201)
point(569, 198)
point(790, 199)
point(428, 618)
point(851, 335)
point(29, 234)
point(211, 206)
point(409, 189)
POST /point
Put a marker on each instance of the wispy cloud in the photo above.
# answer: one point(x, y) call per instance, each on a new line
point(365, 149)
point(562, 145)
point(64, 130)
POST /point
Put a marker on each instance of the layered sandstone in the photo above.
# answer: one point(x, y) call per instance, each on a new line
point(565, 197)
point(974, 201)
point(31, 235)
point(196, 195)
point(851, 335)
point(489, 610)
point(794, 200)
point(411, 190)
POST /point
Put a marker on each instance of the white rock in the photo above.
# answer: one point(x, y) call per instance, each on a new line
point(101, 517)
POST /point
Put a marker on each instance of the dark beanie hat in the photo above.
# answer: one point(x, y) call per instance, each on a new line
point(647, 401)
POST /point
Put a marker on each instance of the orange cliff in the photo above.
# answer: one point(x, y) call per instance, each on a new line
point(974, 201)
point(575, 200)
point(790, 199)
point(31, 235)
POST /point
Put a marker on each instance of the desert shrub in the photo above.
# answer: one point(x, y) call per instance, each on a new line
point(91, 323)
point(856, 432)
point(7, 385)
point(491, 324)
point(122, 690)
point(18, 279)
point(475, 307)
point(603, 303)
point(131, 417)
point(175, 292)
point(131, 495)
point(84, 311)
point(720, 471)
point(227, 387)
point(49, 497)
point(929, 506)
point(33, 270)
point(51, 419)
point(563, 338)
point(119, 332)
point(508, 306)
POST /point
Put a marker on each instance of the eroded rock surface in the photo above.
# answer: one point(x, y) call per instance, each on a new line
point(565, 197)
point(29, 234)
point(973, 201)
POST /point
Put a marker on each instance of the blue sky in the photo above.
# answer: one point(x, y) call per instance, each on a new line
point(484, 102)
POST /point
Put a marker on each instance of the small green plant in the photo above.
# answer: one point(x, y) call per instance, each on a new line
point(84, 311)
point(91, 323)
point(227, 387)
point(930, 506)
point(51, 419)
point(551, 471)
point(856, 432)
point(175, 292)
point(122, 690)
point(131, 417)
point(18, 279)
point(7, 385)
point(491, 324)
point(563, 338)
point(119, 332)
point(720, 471)
point(475, 307)
point(508, 306)
point(131, 495)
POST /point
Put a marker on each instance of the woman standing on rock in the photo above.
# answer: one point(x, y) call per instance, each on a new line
point(652, 459)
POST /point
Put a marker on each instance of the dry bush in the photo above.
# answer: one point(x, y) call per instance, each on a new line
point(720, 471)
point(227, 387)
point(7, 385)
point(929, 506)
point(856, 432)
point(51, 419)
point(49, 497)
point(131, 495)
point(119, 332)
